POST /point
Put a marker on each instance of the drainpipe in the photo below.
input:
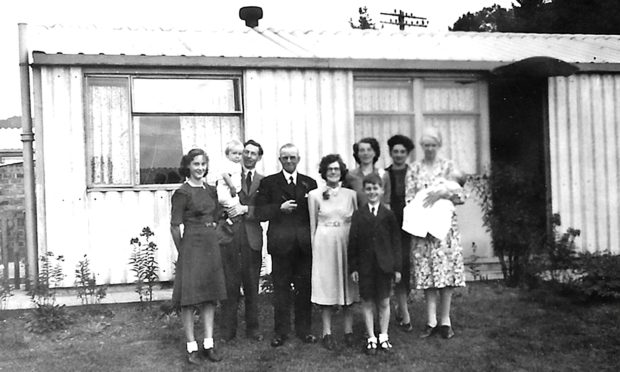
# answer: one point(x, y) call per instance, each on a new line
point(28, 154)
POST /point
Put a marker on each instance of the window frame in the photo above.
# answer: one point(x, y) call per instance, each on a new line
point(421, 80)
point(131, 74)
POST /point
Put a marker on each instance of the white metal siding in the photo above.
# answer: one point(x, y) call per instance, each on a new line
point(312, 109)
point(584, 111)
point(71, 221)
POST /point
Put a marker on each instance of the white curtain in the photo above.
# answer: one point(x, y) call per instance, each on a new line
point(460, 139)
point(450, 98)
point(386, 107)
point(382, 127)
point(109, 158)
point(210, 133)
point(453, 109)
point(383, 108)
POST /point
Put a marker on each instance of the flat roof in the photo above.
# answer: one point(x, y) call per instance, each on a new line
point(269, 48)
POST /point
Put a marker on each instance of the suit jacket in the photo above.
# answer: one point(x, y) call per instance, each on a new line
point(372, 237)
point(251, 224)
point(285, 229)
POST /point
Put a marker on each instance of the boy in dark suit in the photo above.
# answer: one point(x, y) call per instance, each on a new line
point(374, 259)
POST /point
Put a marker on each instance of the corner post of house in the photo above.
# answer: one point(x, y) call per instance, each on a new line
point(30, 221)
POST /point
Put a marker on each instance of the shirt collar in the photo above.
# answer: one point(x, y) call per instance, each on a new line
point(376, 206)
point(288, 175)
point(246, 169)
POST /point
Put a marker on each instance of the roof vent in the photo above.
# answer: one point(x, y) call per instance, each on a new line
point(251, 15)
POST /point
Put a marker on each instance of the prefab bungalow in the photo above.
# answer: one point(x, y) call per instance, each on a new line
point(114, 109)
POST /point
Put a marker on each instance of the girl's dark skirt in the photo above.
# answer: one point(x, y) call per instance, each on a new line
point(199, 276)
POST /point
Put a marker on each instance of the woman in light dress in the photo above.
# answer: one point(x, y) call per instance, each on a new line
point(331, 208)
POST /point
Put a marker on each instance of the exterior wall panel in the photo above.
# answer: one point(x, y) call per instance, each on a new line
point(311, 108)
point(585, 161)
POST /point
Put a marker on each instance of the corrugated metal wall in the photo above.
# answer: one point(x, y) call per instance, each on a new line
point(584, 114)
point(312, 109)
point(72, 222)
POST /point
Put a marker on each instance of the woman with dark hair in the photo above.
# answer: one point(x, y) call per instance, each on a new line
point(199, 279)
point(331, 208)
point(400, 148)
point(366, 152)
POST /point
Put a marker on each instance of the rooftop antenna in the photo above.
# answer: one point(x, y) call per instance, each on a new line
point(405, 20)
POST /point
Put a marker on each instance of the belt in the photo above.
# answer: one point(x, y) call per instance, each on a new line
point(334, 223)
point(206, 224)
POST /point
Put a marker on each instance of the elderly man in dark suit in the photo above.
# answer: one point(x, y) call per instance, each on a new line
point(242, 258)
point(283, 201)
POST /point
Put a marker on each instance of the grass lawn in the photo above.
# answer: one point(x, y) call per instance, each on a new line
point(497, 329)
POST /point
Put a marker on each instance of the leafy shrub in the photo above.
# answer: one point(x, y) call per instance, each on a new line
point(599, 276)
point(47, 316)
point(144, 264)
point(86, 283)
point(583, 276)
point(510, 200)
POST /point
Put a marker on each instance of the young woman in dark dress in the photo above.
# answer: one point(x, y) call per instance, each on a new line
point(199, 280)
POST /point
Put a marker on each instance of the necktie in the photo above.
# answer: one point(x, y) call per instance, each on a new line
point(248, 180)
point(290, 181)
point(372, 210)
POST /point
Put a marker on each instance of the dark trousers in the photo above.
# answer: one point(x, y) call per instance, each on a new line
point(294, 267)
point(242, 267)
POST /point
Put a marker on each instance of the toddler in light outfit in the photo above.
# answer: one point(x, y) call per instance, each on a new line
point(229, 176)
point(435, 219)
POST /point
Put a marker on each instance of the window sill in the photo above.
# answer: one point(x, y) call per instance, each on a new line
point(166, 187)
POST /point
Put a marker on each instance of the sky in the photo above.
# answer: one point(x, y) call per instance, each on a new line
point(202, 14)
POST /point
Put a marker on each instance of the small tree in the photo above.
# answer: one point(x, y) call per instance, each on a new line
point(144, 264)
point(364, 21)
point(47, 315)
point(510, 203)
point(86, 283)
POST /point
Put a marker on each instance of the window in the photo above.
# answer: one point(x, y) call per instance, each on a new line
point(384, 107)
point(138, 127)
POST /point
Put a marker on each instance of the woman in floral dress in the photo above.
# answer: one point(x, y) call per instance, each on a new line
point(437, 263)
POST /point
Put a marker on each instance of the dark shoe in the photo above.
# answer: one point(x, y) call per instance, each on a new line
point(385, 346)
point(308, 339)
point(371, 348)
point(398, 318)
point(194, 358)
point(211, 355)
point(278, 341)
point(349, 339)
point(328, 342)
point(405, 327)
point(428, 331)
point(446, 332)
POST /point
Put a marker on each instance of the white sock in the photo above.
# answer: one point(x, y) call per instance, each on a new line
point(372, 339)
point(446, 321)
point(192, 346)
point(207, 343)
point(383, 337)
